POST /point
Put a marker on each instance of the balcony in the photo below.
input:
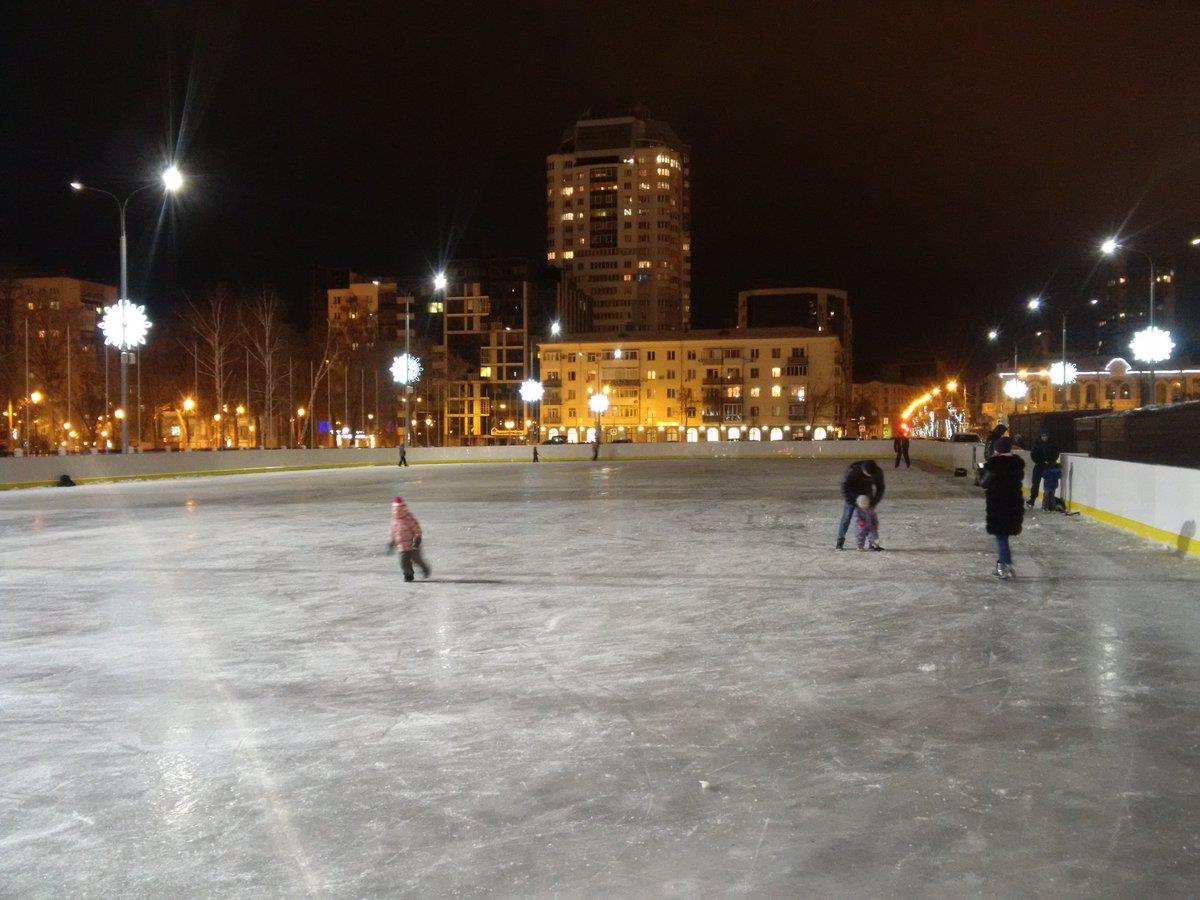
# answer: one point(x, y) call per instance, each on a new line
point(724, 380)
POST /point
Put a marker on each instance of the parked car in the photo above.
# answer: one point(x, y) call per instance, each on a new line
point(556, 439)
point(621, 441)
point(966, 437)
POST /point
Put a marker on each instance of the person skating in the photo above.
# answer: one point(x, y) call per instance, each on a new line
point(403, 455)
point(405, 536)
point(900, 444)
point(1044, 455)
point(864, 477)
point(1003, 475)
point(989, 446)
point(866, 524)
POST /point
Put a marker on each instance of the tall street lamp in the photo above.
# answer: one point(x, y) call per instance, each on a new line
point(1150, 345)
point(405, 370)
point(172, 181)
point(531, 391)
point(1061, 373)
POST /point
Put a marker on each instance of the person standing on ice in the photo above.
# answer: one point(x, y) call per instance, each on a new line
point(405, 536)
point(866, 524)
point(864, 477)
point(1002, 478)
point(1044, 455)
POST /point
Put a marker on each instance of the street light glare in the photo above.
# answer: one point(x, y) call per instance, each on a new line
point(78, 186)
point(1110, 246)
point(555, 329)
point(439, 281)
point(172, 178)
point(1035, 303)
point(993, 334)
point(1196, 242)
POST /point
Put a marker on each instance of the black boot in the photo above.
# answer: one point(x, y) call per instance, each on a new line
point(841, 544)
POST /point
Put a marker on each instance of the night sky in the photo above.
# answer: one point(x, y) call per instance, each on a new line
point(941, 161)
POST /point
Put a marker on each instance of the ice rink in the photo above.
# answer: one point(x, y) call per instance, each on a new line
point(625, 679)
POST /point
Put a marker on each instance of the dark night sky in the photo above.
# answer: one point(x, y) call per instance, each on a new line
point(939, 160)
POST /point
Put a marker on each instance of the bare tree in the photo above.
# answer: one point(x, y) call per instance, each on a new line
point(263, 331)
point(819, 400)
point(213, 324)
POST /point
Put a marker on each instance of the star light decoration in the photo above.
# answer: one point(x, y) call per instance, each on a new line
point(124, 325)
point(1152, 345)
point(1059, 377)
point(406, 369)
point(532, 390)
point(598, 403)
point(1015, 389)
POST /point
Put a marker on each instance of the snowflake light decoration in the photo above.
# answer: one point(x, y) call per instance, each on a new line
point(406, 369)
point(598, 403)
point(1152, 345)
point(1015, 389)
point(1061, 374)
point(532, 390)
point(124, 325)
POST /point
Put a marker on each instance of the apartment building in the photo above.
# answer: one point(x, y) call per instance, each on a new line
point(618, 221)
point(734, 384)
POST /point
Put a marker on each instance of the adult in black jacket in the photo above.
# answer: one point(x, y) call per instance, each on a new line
point(989, 446)
point(862, 477)
point(1003, 475)
point(1044, 455)
point(900, 444)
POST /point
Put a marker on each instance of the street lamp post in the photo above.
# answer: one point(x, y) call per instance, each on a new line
point(598, 403)
point(1110, 247)
point(172, 181)
point(532, 391)
point(1035, 304)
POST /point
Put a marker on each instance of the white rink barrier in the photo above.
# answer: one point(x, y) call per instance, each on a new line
point(40, 471)
point(1159, 503)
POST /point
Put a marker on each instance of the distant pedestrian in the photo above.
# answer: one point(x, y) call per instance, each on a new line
point(595, 449)
point(1044, 455)
point(866, 525)
point(405, 536)
point(864, 477)
point(403, 455)
point(900, 444)
point(535, 454)
point(1002, 478)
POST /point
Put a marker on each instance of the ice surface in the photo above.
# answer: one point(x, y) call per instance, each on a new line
point(634, 679)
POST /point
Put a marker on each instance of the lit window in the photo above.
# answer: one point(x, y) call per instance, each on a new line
point(568, 191)
point(775, 373)
point(643, 185)
point(568, 217)
point(551, 255)
point(755, 391)
point(776, 391)
point(485, 371)
point(627, 211)
point(437, 306)
point(643, 263)
point(651, 375)
point(568, 254)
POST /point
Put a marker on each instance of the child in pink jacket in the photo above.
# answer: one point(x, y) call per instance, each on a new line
point(405, 536)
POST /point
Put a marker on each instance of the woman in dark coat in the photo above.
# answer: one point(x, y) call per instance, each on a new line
point(1003, 476)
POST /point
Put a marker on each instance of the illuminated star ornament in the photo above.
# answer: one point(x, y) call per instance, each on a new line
point(1061, 373)
point(1152, 345)
point(598, 403)
point(532, 391)
point(124, 325)
point(406, 369)
point(1015, 389)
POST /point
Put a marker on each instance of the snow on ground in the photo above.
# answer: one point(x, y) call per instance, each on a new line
point(634, 679)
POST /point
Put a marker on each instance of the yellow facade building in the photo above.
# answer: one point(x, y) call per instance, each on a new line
point(753, 384)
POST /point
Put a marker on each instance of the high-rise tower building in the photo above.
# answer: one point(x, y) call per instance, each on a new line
point(618, 221)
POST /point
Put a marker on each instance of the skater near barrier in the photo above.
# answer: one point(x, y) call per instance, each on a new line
point(1002, 478)
point(1044, 455)
point(405, 536)
point(900, 444)
point(862, 478)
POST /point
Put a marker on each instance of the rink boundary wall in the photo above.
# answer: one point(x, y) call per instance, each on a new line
point(44, 471)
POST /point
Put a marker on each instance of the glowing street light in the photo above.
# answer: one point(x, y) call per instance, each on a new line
point(188, 404)
point(555, 329)
point(439, 281)
point(36, 397)
point(1063, 373)
point(1110, 246)
point(952, 385)
point(1015, 389)
point(125, 326)
point(993, 335)
point(1034, 304)
point(406, 369)
point(1152, 345)
point(598, 403)
point(532, 390)
point(171, 179)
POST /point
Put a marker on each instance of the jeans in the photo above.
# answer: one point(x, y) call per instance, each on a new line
point(847, 514)
point(1035, 482)
point(1002, 548)
point(408, 557)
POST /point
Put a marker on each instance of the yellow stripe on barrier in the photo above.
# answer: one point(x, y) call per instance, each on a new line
point(1182, 542)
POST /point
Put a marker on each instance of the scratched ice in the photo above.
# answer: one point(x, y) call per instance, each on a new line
point(635, 679)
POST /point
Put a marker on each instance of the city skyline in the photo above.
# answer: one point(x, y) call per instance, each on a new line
point(860, 164)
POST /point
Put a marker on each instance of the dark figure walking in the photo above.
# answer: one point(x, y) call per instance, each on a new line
point(862, 478)
point(595, 449)
point(403, 456)
point(535, 455)
point(1003, 475)
point(1044, 455)
point(900, 444)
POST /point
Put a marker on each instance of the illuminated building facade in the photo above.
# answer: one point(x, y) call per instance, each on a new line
point(618, 222)
point(876, 405)
point(753, 384)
